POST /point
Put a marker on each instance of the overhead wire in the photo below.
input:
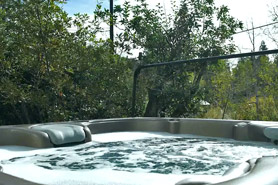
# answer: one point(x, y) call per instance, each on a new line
point(262, 26)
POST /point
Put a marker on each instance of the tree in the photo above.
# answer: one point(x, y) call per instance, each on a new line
point(271, 32)
point(219, 87)
point(191, 32)
point(51, 74)
point(254, 88)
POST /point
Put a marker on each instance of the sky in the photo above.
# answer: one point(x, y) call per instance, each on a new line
point(248, 11)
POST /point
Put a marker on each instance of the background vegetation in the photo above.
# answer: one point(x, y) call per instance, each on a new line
point(49, 73)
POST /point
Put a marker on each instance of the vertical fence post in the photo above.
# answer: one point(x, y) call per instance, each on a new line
point(134, 88)
point(179, 62)
point(112, 25)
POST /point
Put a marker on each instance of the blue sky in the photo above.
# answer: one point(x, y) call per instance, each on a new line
point(257, 11)
point(84, 6)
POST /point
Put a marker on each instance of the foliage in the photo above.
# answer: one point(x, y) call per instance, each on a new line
point(196, 29)
point(51, 74)
point(250, 90)
point(219, 88)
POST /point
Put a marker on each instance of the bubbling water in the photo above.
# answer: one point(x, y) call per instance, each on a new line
point(155, 153)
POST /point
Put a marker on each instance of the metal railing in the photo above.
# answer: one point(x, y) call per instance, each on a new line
point(179, 62)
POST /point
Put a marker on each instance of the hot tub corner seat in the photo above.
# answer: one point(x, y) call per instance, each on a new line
point(45, 135)
point(23, 136)
point(64, 134)
point(6, 179)
point(271, 133)
point(203, 180)
point(262, 171)
point(234, 172)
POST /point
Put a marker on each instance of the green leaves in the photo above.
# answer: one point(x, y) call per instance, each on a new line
point(51, 72)
point(55, 67)
point(190, 32)
point(247, 92)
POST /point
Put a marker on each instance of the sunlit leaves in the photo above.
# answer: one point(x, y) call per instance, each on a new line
point(54, 68)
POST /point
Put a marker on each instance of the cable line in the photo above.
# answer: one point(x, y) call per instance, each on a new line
point(256, 27)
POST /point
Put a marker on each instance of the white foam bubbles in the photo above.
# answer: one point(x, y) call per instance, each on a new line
point(131, 158)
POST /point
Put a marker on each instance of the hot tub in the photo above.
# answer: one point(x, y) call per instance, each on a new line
point(165, 151)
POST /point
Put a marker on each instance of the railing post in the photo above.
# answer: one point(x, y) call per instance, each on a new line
point(134, 88)
point(112, 25)
point(179, 62)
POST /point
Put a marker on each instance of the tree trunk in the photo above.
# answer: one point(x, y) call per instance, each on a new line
point(25, 113)
point(153, 104)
